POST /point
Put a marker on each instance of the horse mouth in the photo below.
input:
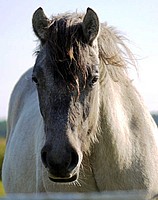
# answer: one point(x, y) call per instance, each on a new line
point(63, 180)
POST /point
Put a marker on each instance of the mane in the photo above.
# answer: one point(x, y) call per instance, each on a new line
point(115, 56)
point(64, 48)
point(65, 44)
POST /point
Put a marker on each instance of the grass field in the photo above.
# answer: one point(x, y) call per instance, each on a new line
point(2, 193)
point(2, 144)
point(2, 149)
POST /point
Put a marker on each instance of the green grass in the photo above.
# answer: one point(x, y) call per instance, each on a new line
point(2, 149)
point(2, 193)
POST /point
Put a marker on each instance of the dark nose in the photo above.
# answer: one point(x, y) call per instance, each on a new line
point(60, 163)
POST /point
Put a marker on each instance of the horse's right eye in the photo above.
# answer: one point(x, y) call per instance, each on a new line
point(35, 80)
point(93, 80)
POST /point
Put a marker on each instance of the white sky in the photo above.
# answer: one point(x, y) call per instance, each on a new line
point(137, 19)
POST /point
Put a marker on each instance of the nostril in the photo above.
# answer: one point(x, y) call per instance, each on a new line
point(59, 164)
point(44, 158)
point(74, 160)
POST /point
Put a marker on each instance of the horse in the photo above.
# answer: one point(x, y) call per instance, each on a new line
point(76, 122)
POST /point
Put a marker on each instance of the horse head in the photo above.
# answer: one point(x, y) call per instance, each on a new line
point(66, 74)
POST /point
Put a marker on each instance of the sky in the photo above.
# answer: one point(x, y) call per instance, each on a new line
point(136, 19)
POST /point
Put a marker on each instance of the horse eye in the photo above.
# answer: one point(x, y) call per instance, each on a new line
point(34, 79)
point(94, 80)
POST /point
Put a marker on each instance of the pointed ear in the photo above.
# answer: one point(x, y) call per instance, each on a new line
point(40, 24)
point(90, 26)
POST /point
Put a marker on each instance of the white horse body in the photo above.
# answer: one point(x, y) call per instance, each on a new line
point(123, 157)
point(112, 161)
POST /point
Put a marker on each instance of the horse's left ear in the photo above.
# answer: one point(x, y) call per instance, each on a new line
point(90, 26)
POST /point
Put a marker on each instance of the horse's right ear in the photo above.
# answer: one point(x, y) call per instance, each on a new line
point(40, 24)
point(90, 26)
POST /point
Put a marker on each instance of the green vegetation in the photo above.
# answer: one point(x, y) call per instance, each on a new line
point(2, 128)
point(2, 144)
point(2, 150)
point(2, 193)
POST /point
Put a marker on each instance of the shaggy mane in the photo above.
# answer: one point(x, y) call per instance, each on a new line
point(65, 43)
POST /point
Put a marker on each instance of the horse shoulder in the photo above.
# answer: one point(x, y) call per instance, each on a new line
point(22, 90)
point(23, 120)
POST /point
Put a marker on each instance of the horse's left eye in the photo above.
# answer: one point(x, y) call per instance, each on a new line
point(94, 80)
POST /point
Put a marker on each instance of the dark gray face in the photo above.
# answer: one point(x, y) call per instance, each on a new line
point(69, 114)
point(69, 104)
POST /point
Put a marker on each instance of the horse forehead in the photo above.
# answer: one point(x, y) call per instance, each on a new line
point(64, 27)
point(67, 20)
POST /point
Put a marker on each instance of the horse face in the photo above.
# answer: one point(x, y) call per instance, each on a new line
point(68, 91)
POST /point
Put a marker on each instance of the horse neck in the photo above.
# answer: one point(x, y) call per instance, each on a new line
point(127, 139)
point(124, 118)
point(114, 120)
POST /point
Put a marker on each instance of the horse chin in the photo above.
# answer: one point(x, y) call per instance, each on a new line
point(64, 179)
